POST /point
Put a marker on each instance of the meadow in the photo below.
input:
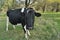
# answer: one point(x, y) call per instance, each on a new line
point(46, 27)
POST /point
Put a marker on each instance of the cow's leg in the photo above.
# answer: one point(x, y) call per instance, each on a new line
point(28, 32)
point(25, 31)
point(26, 35)
point(7, 23)
point(23, 27)
point(14, 26)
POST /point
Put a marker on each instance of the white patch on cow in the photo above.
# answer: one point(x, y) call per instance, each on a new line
point(22, 10)
point(25, 27)
point(28, 32)
point(7, 23)
point(27, 11)
point(14, 26)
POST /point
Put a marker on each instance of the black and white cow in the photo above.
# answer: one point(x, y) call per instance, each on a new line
point(25, 16)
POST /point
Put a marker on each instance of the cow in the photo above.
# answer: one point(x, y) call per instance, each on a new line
point(24, 16)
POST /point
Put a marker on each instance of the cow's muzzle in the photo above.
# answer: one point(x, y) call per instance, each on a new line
point(30, 28)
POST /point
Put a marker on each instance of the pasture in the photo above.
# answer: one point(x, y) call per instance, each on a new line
point(46, 27)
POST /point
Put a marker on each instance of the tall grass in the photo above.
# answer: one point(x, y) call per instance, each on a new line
point(46, 27)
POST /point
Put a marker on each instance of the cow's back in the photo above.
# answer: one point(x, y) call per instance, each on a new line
point(15, 16)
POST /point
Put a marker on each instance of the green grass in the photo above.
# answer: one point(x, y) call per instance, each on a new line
point(46, 27)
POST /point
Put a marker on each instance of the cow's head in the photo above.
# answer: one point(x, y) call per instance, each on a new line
point(30, 16)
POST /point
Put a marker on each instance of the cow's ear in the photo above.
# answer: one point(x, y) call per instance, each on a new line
point(37, 14)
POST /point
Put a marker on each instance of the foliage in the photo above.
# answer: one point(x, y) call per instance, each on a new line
point(39, 5)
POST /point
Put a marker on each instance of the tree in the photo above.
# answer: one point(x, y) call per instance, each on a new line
point(55, 6)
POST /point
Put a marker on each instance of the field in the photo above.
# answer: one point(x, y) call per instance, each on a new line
point(46, 27)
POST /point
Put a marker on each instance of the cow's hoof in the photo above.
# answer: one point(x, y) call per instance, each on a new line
point(14, 26)
point(6, 29)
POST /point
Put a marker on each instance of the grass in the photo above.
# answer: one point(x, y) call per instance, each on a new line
point(46, 27)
